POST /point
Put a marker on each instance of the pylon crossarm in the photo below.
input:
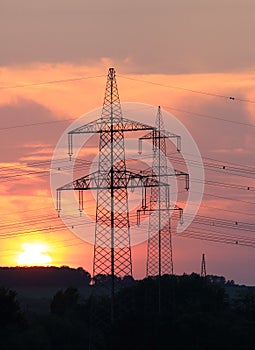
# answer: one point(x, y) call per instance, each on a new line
point(124, 179)
point(141, 180)
point(156, 135)
point(167, 172)
point(90, 128)
point(92, 181)
point(133, 125)
point(103, 124)
point(145, 210)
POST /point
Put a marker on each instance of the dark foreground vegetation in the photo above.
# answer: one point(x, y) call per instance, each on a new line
point(195, 313)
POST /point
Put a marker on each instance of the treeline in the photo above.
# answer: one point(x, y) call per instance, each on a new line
point(43, 276)
point(192, 313)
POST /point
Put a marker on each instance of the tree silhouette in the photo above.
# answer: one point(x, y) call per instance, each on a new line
point(9, 307)
point(65, 302)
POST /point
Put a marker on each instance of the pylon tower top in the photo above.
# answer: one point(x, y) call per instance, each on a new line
point(111, 105)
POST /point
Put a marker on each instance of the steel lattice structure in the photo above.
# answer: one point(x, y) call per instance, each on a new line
point(112, 252)
point(203, 267)
point(159, 248)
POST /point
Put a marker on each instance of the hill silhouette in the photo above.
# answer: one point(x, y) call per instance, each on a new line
point(38, 276)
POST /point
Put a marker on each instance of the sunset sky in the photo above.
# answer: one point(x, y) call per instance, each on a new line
point(187, 56)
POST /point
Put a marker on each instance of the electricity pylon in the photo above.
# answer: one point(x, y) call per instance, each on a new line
point(203, 266)
point(159, 246)
point(112, 251)
point(159, 252)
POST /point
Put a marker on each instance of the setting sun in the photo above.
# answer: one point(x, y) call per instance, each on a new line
point(34, 254)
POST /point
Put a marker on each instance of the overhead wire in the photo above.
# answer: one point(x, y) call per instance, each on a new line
point(49, 82)
point(174, 87)
point(83, 164)
point(200, 92)
point(209, 116)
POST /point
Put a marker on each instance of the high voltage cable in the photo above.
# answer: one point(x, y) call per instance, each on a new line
point(49, 228)
point(221, 225)
point(199, 219)
point(209, 116)
point(221, 161)
point(39, 219)
point(229, 210)
point(227, 198)
point(44, 230)
point(29, 166)
point(167, 107)
point(224, 221)
point(212, 238)
point(41, 208)
point(36, 124)
point(216, 235)
point(201, 92)
point(236, 166)
point(222, 235)
point(67, 80)
point(224, 184)
point(209, 235)
point(226, 210)
point(7, 178)
point(218, 165)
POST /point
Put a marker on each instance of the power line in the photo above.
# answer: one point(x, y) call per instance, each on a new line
point(225, 184)
point(36, 124)
point(167, 107)
point(252, 168)
point(214, 167)
point(68, 80)
point(201, 92)
point(210, 116)
point(227, 198)
point(219, 238)
point(19, 227)
point(225, 210)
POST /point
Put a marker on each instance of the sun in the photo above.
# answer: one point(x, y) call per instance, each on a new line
point(34, 254)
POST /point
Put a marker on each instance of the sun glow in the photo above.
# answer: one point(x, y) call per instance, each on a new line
point(34, 254)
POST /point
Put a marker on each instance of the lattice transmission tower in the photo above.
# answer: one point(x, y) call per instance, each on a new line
point(159, 247)
point(112, 251)
point(203, 266)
